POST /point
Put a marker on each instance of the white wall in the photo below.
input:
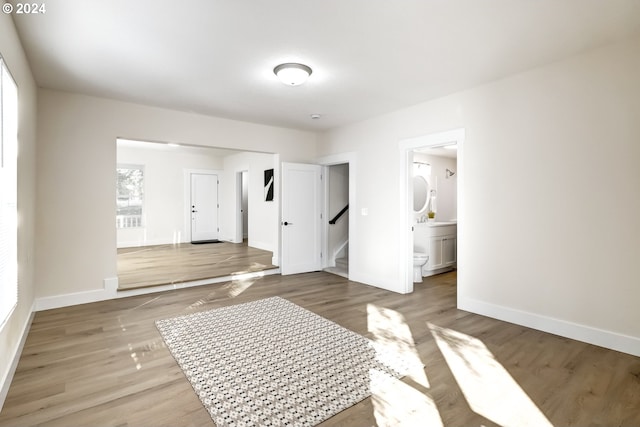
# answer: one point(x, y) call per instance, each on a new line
point(263, 218)
point(548, 232)
point(14, 329)
point(164, 192)
point(77, 156)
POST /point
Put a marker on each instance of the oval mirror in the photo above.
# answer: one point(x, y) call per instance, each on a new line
point(420, 193)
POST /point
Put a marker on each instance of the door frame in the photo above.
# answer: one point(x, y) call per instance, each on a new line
point(405, 229)
point(239, 192)
point(339, 159)
point(186, 229)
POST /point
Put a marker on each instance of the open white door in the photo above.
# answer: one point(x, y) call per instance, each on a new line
point(301, 221)
point(204, 207)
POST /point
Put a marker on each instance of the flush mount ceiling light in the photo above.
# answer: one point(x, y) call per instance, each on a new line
point(292, 74)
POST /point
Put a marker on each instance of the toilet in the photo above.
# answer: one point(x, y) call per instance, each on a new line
point(419, 259)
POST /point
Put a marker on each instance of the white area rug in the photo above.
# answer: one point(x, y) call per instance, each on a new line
point(273, 363)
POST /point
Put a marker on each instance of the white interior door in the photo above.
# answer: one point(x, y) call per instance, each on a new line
point(204, 207)
point(301, 221)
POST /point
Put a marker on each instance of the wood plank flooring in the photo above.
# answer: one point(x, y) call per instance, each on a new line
point(184, 262)
point(105, 363)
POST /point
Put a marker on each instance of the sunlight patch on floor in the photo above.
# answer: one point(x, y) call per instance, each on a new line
point(398, 404)
point(391, 332)
point(488, 387)
point(237, 287)
point(134, 357)
point(395, 402)
point(229, 290)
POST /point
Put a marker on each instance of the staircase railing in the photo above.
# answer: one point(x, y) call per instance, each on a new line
point(337, 217)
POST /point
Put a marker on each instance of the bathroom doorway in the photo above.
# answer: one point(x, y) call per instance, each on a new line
point(435, 216)
point(450, 178)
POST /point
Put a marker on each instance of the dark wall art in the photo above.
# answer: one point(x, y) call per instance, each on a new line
point(268, 185)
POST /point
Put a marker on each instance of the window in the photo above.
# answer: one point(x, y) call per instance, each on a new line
point(129, 196)
point(8, 193)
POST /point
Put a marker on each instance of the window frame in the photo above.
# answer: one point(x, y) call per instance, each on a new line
point(9, 287)
point(142, 221)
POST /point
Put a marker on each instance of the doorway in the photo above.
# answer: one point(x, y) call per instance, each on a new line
point(337, 230)
point(242, 208)
point(316, 255)
point(339, 240)
point(408, 147)
point(165, 219)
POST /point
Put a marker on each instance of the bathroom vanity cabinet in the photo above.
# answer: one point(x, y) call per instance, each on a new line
point(439, 240)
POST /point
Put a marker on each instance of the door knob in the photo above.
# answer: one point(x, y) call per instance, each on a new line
point(287, 223)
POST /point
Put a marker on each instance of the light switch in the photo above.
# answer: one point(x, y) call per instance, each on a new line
point(364, 211)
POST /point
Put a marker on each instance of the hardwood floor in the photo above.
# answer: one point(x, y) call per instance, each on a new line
point(106, 364)
point(184, 262)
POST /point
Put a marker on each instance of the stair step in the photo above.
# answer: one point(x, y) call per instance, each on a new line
point(342, 262)
point(341, 268)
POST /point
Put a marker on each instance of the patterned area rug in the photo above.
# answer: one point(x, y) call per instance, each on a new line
point(273, 363)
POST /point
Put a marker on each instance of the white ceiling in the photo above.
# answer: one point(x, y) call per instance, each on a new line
point(368, 57)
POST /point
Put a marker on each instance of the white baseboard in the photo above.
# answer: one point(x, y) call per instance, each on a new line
point(65, 300)
point(607, 339)
point(110, 290)
point(6, 381)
